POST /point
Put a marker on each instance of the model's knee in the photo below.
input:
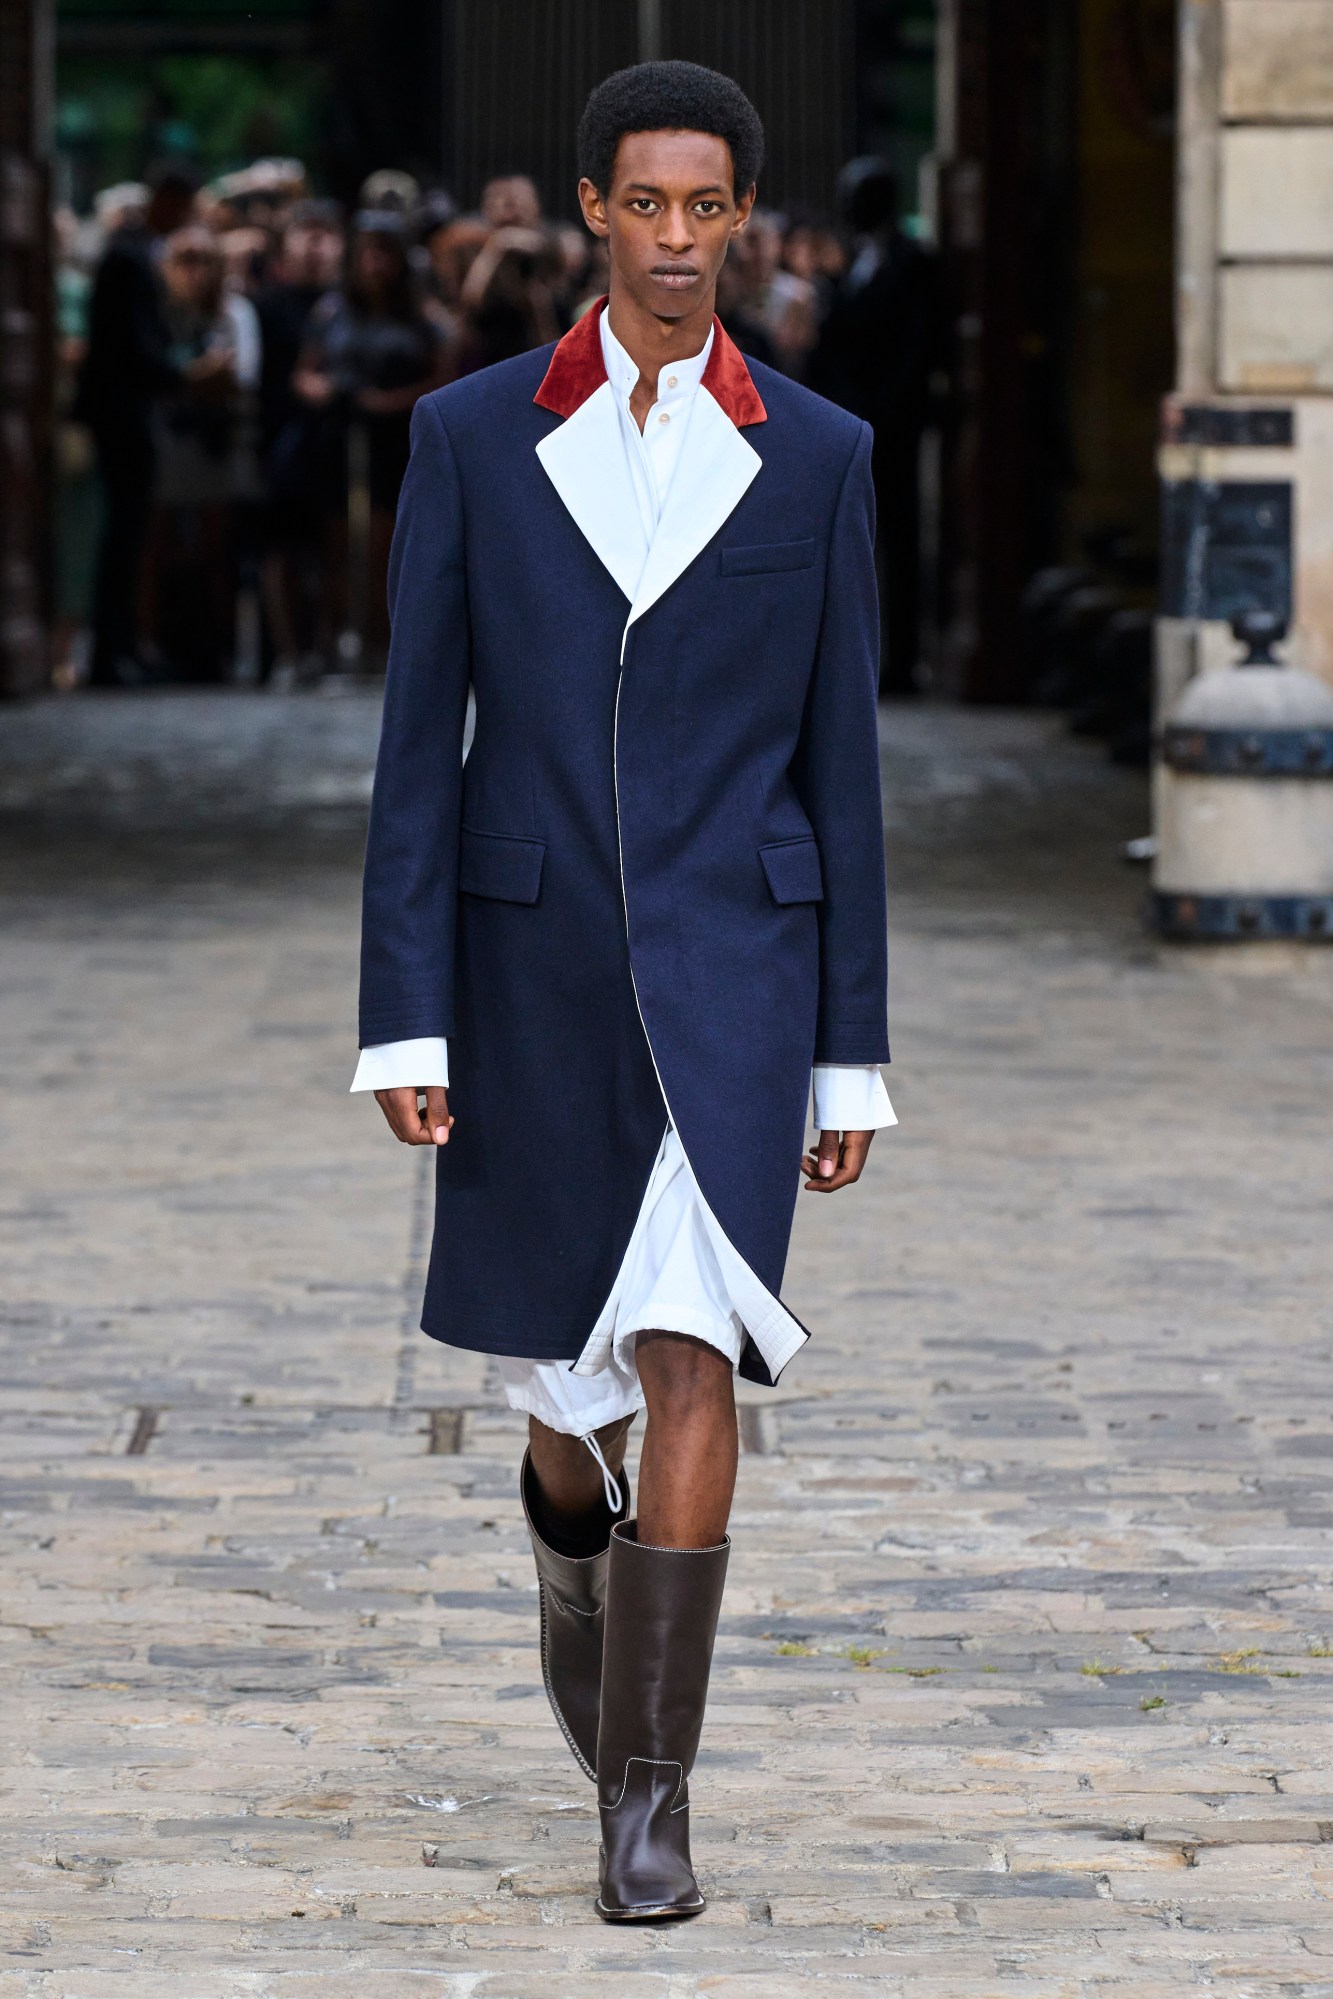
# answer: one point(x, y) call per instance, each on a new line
point(681, 1376)
point(555, 1455)
point(558, 1455)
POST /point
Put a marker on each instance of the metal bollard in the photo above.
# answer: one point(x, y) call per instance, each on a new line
point(1244, 806)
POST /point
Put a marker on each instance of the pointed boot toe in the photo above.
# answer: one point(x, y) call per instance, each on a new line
point(572, 1594)
point(662, 1608)
point(647, 1876)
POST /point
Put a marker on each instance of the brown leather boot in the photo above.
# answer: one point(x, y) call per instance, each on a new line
point(572, 1590)
point(662, 1606)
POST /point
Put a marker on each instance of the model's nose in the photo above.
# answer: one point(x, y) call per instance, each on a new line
point(676, 233)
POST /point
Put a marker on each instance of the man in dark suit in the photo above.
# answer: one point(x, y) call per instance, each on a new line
point(128, 369)
point(616, 945)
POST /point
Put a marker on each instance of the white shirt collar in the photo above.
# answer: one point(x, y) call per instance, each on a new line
point(674, 381)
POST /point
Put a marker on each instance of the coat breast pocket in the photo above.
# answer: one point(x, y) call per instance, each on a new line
point(767, 558)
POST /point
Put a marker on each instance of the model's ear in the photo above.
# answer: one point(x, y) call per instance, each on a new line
point(744, 204)
point(593, 204)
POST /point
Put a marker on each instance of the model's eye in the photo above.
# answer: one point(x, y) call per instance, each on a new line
point(708, 207)
point(643, 205)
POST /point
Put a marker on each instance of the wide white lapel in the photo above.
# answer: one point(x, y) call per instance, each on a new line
point(584, 458)
point(712, 476)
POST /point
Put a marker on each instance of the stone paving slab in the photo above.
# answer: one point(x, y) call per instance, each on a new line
point(1023, 1678)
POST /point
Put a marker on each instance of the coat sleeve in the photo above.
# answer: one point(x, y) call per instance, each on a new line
point(836, 774)
point(411, 874)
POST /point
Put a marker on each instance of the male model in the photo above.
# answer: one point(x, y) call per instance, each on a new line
point(628, 928)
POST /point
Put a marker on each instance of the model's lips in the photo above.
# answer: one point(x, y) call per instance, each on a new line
point(677, 276)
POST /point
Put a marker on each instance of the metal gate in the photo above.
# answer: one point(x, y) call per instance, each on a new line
point(517, 74)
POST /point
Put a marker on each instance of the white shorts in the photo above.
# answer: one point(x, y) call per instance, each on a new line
point(671, 1280)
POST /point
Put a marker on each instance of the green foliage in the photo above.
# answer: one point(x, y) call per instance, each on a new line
point(115, 114)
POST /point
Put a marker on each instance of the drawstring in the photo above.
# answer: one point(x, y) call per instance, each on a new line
point(615, 1498)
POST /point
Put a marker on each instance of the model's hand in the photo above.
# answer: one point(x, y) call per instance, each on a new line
point(836, 1161)
point(412, 1124)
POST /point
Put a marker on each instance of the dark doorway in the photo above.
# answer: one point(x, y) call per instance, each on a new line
point(1055, 216)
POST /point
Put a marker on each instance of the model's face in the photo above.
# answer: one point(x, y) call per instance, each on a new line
point(669, 217)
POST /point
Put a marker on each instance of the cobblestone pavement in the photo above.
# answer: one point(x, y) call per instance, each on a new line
point(1022, 1681)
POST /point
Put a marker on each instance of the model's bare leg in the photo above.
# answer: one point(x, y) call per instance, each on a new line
point(569, 1476)
point(687, 1474)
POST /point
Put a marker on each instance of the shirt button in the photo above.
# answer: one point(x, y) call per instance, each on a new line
point(664, 418)
point(671, 381)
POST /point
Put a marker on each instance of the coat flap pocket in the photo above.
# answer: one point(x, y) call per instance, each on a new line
point(770, 556)
point(500, 866)
point(793, 871)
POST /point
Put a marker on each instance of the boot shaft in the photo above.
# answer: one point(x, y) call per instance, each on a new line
point(572, 1595)
point(662, 1607)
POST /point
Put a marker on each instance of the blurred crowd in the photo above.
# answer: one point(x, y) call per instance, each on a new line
point(239, 362)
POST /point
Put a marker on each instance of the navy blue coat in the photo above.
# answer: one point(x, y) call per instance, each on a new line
point(669, 867)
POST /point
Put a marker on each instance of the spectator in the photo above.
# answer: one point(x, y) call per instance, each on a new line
point(447, 243)
point(293, 551)
point(812, 249)
point(245, 256)
point(787, 306)
point(204, 461)
point(511, 201)
point(394, 192)
point(770, 313)
point(76, 492)
point(370, 352)
point(121, 206)
point(451, 248)
point(877, 350)
point(510, 295)
point(130, 367)
point(738, 306)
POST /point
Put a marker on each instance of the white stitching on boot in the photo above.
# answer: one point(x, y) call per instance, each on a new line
point(660, 1763)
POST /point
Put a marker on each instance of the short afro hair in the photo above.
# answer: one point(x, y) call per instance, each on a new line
point(669, 97)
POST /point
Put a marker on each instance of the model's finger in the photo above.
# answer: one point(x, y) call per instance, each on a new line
point(436, 1118)
point(817, 1162)
point(400, 1109)
point(852, 1153)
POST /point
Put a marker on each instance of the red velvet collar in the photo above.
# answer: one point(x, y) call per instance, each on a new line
point(577, 371)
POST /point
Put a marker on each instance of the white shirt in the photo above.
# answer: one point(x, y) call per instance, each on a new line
point(654, 451)
point(845, 1098)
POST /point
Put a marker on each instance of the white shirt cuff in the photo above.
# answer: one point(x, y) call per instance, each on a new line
point(401, 1065)
point(848, 1099)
